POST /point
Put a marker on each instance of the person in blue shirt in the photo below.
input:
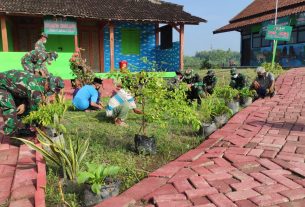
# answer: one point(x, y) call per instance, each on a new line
point(88, 96)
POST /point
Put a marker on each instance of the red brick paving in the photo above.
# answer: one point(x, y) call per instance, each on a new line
point(20, 183)
point(256, 159)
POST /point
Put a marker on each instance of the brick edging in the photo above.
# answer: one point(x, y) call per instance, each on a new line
point(41, 180)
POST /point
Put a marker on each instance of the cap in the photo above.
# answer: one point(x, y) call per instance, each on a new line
point(188, 73)
point(56, 83)
point(260, 70)
point(233, 71)
point(210, 72)
point(43, 34)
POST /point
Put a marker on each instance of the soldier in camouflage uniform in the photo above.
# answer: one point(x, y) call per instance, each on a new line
point(39, 45)
point(35, 62)
point(25, 88)
point(210, 81)
point(238, 80)
point(195, 84)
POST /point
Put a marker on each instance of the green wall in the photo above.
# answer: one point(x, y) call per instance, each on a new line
point(58, 42)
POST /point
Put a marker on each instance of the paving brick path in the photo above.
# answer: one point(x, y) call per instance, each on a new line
point(257, 159)
point(22, 175)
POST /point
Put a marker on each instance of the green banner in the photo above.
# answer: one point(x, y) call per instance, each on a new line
point(60, 26)
point(300, 19)
point(281, 33)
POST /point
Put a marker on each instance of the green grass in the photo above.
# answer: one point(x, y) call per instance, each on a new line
point(115, 145)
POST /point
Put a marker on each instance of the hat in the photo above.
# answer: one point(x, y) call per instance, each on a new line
point(260, 70)
point(188, 73)
point(56, 83)
point(43, 34)
point(210, 72)
point(233, 71)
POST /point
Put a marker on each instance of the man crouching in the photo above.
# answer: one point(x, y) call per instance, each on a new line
point(264, 84)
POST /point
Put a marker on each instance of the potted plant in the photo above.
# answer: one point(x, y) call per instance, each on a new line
point(159, 105)
point(100, 183)
point(67, 156)
point(230, 96)
point(246, 96)
point(220, 112)
point(208, 126)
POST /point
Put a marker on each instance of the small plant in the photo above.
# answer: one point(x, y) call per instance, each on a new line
point(219, 108)
point(246, 92)
point(226, 93)
point(67, 155)
point(96, 175)
point(80, 69)
point(276, 70)
point(206, 110)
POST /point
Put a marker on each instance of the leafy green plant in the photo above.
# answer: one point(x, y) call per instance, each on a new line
point(159, 104)
point(96, 175)
point(206, 109)
point(67, 154)
point(219, 108)
point(276, 70)
point(226, 93)
point(246, 92)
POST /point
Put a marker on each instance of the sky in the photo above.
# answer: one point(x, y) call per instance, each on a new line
point(217, 13)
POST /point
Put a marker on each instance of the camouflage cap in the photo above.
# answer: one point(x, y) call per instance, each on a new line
point(56, 83)
point(43, 34)
point(188, 73)
point(233, 71)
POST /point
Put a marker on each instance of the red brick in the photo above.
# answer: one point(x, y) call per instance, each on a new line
point(245, 203)
point(200, 192)
point(40, 197)
point(201, 170)
point(23, 203)
point(300, 150)
point(23, 192)
point(6, 183)
point(8, 157)
point(144, 187)
point(221, 186)
point(242, 195)
point(268, 164)
point(262, 178)
point(210, 142)
point(241, 176)
point(269, 154)
point(255, 152)
point(220, 176)
point(274, 188)
point(294, 194)
point(202, 162)
point(163, 190)
point(221, 200)
point(182, 185)
point(299, 203)
point(288, 148)
point(169, 197)
point(169, 170)
point(200, 201)
point(198, 182)
point(292, 138)
point(191, 155)
point(285, 181)
point(217, 169)
point(119, 201)
point(269, 199)
point(238, 140)
point(245, 185)
point(237, 150)
point(221, 162)
point(239, 158)
point(184, 173)
point(276, 172)
point(206, 205)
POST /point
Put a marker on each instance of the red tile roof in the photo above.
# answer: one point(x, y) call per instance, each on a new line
point(262, 10)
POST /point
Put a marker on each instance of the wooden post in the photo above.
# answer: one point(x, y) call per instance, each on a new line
point(101, 47)
point(157, 35)
point(111, 30)
point(76, 42)
point(4, 34)
point(181, 46)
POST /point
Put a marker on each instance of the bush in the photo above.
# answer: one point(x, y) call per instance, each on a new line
point(277, 70)
point(226, 93)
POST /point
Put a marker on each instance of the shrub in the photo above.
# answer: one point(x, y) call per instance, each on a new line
point(226, 93)
point(276, 70)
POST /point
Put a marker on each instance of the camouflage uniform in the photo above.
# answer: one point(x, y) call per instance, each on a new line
point(238, 80)
point(19, 85)
point(210, 81)
point(35, 61)
point(196, 91)
point(39, 45)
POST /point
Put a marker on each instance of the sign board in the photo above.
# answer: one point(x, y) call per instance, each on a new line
point(284, 21)
point(60, 26)
point(300, 19)
point(276, 32)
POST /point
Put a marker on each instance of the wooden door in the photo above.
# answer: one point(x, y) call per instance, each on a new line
point(246, 51)
point(89, 41)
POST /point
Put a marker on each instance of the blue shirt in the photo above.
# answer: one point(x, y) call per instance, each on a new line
point(85, 96)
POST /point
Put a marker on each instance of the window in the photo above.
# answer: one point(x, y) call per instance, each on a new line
point(256, 40)
point(301, 34)
point(131, 42)
point(293, 38)
point(265, 43)
point(166, 37)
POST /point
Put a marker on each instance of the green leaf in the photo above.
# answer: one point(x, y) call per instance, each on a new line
point(96, 188)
